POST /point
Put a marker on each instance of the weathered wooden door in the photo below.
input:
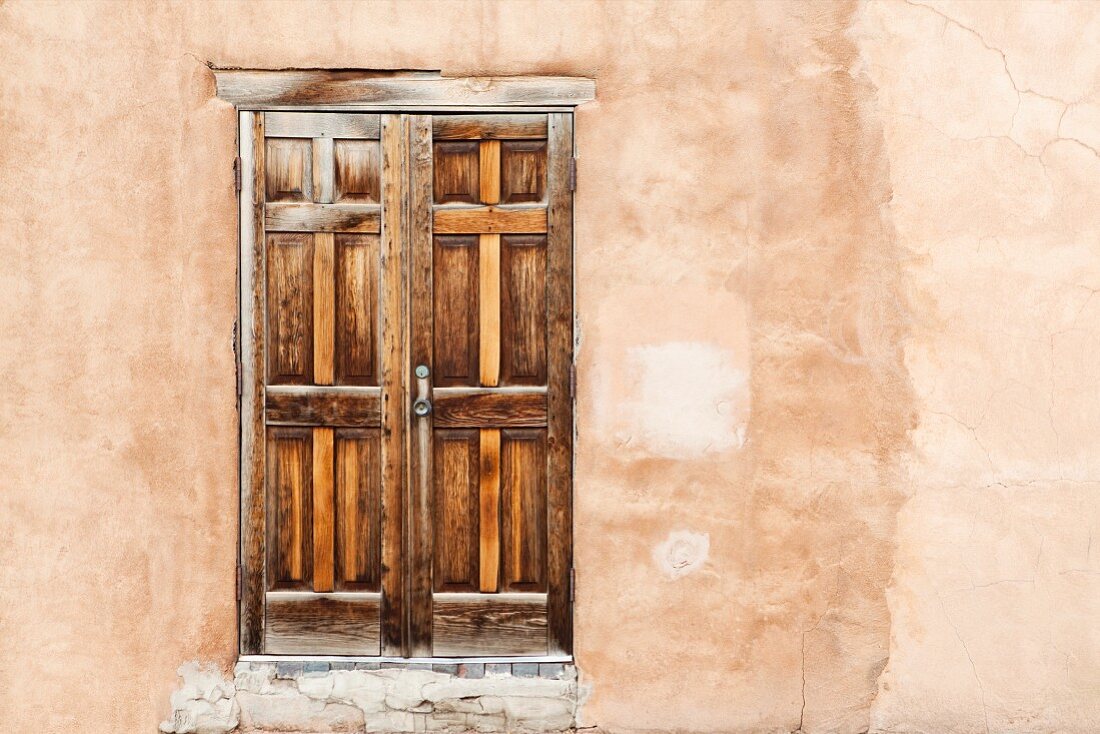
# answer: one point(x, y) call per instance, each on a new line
point(406, 396)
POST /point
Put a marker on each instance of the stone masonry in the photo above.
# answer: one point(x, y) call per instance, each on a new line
point(307, 697)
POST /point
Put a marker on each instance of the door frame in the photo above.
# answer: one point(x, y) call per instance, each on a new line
point(253, 92)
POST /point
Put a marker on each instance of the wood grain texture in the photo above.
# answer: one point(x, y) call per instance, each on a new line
point(324, 307)
point(488, 127)
point(523, 310)
point(264, 88)
point(456, 172)
point(489, 511)
point(488, 220)
point(523, 495)
point(356, 305)
point(358, 510)
point(489, 309)
point(497, 624)
point(522, 172)
point(252, 371)
point(313, 406)
point(421, 340)
point(485, 408)
point(321, 125)
point(559, 436)
point(455, 310)
point(489, 171)
point(288, 167)
point(455, 503)
point(357, 171)
point(323, 510)
point(323, 170)
point(393, 377)
point(322, 624)
point(289, 309)
point(295, 217)
point(289, 508)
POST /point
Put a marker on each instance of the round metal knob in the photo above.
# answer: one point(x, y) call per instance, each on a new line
point(422, 407)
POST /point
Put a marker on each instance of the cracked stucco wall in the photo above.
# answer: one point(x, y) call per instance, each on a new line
point(836, 262)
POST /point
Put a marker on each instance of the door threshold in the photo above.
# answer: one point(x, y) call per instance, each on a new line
point(402, 661)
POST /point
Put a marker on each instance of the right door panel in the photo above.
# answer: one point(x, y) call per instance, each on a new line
point(491, 356)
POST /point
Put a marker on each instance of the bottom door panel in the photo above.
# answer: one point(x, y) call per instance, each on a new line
point(488, 624)
point(301, 623)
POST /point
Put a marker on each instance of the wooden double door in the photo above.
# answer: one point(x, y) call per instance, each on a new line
point(406, 361)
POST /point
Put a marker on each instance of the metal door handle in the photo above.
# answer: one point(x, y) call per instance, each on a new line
point(422, 407)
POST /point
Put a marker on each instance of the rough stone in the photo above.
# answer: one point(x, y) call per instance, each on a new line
point(203, 704)
point(385, 700)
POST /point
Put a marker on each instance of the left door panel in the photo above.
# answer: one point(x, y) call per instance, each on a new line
point(317, 520)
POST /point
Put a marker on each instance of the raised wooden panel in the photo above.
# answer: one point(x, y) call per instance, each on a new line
point(455, 310)
point(456, 177)
point(523, 310)
point(289, 308)
point(523, 509)
point(357, 176)
point(357, 309)
point(358, 510)
point(489, 624)
point(324, 125)
point(522, 172)
point(289, 508)
point(456, 504)
point(488, 127)
point(288, 168)
point(295, 217)
point(485, 408)
point(322, 624)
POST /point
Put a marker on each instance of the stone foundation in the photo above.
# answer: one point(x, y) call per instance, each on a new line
point(306, 697)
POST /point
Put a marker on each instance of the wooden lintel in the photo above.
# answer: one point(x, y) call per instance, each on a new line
point(260, 88)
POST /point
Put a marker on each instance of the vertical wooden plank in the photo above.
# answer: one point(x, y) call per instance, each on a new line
point(324, 307)
point(324, 165)
point(250, 368)
point(489, 308)
point(559, 441)
point(490, 171)
point(489, 374)
point(323, 506)
point(395, 399)
point(489, 507)
point(421, 340)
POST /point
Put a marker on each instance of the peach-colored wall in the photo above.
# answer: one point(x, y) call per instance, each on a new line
point(838, 351)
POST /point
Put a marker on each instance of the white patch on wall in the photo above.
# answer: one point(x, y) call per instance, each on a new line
point(688, 399)
point(682, 553)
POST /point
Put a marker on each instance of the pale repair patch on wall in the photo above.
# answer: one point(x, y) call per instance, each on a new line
point(685, 400)
point(683, 552)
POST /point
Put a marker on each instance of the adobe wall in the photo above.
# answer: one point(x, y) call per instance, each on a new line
point(836, 467)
